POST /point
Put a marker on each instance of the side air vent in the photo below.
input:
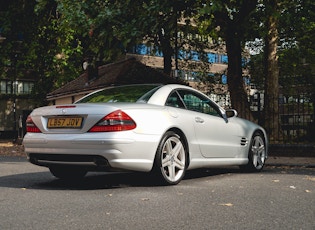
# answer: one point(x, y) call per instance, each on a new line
point(244, 141)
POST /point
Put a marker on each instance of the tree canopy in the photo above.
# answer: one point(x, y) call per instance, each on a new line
point(50, 39)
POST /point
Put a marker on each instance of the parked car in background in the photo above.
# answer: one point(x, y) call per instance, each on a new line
point(161, 129)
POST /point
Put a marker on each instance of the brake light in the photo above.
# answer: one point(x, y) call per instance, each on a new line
point(31, 127)
point(115, 121)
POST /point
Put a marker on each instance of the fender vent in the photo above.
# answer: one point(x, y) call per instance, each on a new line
point(244, 141)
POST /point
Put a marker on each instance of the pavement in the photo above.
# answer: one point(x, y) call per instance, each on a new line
point(307, 162)
point(8, 148)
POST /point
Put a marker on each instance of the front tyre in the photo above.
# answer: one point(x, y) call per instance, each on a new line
point(171, 159)
point(257, 154)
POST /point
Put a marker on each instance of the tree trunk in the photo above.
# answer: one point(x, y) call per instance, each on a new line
point(168, 61)
point(167, 52)
point(167, 56)
point(271, 97)
point(239, 97)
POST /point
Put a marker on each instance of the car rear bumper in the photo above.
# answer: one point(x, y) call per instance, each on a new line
point(90, 162)
point(106, 154)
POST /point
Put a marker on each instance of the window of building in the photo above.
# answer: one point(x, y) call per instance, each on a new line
point(16, 87)
point(147, 49)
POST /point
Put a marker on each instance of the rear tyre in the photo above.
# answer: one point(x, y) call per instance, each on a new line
point(67, 173)
point(171, 159)
point(257, 154)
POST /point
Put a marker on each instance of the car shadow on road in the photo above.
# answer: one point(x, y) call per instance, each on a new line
point(210, 172)
point(93, 181)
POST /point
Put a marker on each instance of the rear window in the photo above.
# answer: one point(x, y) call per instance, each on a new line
point(128, 93)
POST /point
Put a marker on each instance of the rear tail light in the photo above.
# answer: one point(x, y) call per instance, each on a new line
point(31, 127)
point(115, 121)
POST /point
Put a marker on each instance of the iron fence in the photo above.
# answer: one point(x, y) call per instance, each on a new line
point(295, 119)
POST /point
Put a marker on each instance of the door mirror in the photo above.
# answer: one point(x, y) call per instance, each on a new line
point(231, 113)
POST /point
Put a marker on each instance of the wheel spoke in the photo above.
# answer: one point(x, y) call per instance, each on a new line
point(260, 161)
point(168, 146)
point(261, 149)
point(172, 172)
point(179, 164)
point(179, 160)
point(177, 149)
point(166, 161)
point(254, 149)
point(255, 160)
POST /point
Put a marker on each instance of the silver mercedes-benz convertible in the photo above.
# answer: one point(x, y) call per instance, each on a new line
point(161, 129)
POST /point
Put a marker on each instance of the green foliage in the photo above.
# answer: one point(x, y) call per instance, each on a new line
point(59, 34)
point(38, 47)
point(296, 47)
point(217, 17)
point(109, 28)
point(49, 39)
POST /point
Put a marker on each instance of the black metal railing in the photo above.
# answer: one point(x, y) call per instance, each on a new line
point(295, 119)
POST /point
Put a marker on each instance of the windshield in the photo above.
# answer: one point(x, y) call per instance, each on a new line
point(128, 93)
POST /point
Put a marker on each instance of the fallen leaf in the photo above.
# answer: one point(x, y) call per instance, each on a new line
point(308, 191)
point(310, 178)
point(276, 181)
point(293, 187)
point(227, 204)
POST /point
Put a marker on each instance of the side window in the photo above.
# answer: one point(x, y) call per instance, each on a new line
point(174, 101)
point(199, 103)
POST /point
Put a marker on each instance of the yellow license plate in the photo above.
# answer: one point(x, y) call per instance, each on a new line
point(65, 122)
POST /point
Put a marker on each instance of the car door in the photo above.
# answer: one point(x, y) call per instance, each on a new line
point(217, 137)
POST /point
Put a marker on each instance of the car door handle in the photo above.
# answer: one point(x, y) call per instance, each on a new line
point(199, 120)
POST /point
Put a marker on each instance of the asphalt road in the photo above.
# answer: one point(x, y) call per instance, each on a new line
point(277, 198)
